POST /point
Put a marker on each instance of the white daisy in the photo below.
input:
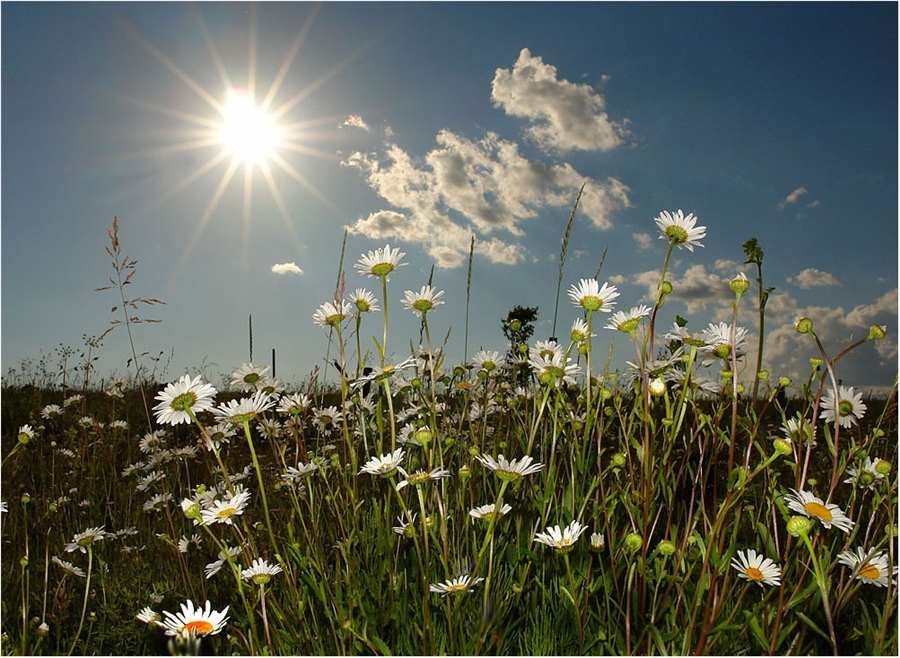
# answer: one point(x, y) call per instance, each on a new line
point(827, 514)
point(510, 470)
point(364, 301)
point(590, 296)
point(179, 397)
point(224, 511)
point(562, 539)
point(756, 568)
point(244, 410)
point(867, 476)
point(488, 512)
point(380, 262)
point(68, 566)
point(423, 301)
point(248, 376)
point(680, 230)
point(487, 360)
point(260, 572)
point(383, 465)
point(82, 540)
point(628, 321)
point(195, 621)
point(847, 408)
point(332, 315)
point(421, 477)
point(457, 585)
point(871, 569)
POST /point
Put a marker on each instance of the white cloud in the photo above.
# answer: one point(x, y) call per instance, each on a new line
point(566, 116)
point(355, 121)
point(286, 268)
point(812, 277)
point(792, 197)
point(465, 186)
point(643, 240)
point(696, 288)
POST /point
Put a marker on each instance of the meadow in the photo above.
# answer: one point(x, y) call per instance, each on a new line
point(530, 502)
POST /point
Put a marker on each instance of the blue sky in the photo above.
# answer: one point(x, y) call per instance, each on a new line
point(420, 125)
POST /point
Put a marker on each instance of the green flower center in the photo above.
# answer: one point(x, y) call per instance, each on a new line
point(261, 578)
point(723, 350)
point(508, 476)
point(676, 234)
point(629, 325)
point(251, 378)
point(334, 320)
point(423, 305)
point(845, 408)
point(418, 478)
point(362, 305)
point(244, 418)
point(382, 269)
point(591, 302)
point(184, 401)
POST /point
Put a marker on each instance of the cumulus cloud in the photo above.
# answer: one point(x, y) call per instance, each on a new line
point(286, 268)
point(565, 116)
point(793, 197)
point(812, 277)
point(464, 187)
point(355, 121)
point(643, 240)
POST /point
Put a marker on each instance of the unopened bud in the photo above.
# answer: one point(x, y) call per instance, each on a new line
point(877, 332)
point(634, 541)
point(804, 325)
point(739, 284)
point(666, 548)
point(799, 525)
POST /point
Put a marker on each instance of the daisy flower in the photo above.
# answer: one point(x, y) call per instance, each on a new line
point(547, 349)
point(152, 441)
point(191, 621)
point(847, 408)
point(423, 301)
point(245, 410)
point(562, 539)
point(247, 376)
point(294, 405)
point(185, 543)
point(813, 507)
point(489, 512)
point(26, 433)
point(223, 511)
point(182, 396)
point(421, 477)
point(68, 566)
point(871, 569)
point(364, 301)
point(579, 330)
point(590, 296)
point(680, 230)
point(456, 585)
point(510, 470)
point(302, 470)
point(82, 540)
point(553, 370)
point(383, 465)
point(260, 572)
point(487, 360)
point(148, 616)
point(756, 568)
point(718, 340)
point(213, 568)
point(331, 315)
point(51, 411)
point(326, 416)
point(380, 374)
point(628, 321)
point(865, 477)
point(380, 262)
point(407, 526)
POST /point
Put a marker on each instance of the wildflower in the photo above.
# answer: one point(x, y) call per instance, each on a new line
point(380, 262)
point(51, 411)
point(157, 501)
point(364, 301)
point(384, 465)
point(26, 434)
point(865, 477)
point(590, 296)
point(552, 371)
point(487, 360)
point(260, 572)
point(510, 470)
point(871, 569)
point(803, 325)
point(489, 512)
point(68, 566)
point(84, 539)
point(679, 230)
point(302, 470)
point(847, 408)
point(421, 477)
point(877, 332)
point(119, 425)
point(628, 322)
point(245, 410)
point(152, 441)
point(406, 527)
point(657, 386)
point(148, 616)
point(213, 568)
point(666, 548)
point(331, 315)
point(564, 540)
point(797, 429)
point(248, 376)
point(598, 541)
point(185, 543)
point(456, 585)
point(115, 387)
point(184, 396)
point(718, 340)
point(756, 568)
point(739, 284)
point(811, 506)
point(423, 301)
point(72, 399)
point(380, 374)
point(191, 621)
point(325, 417)
point(579, 330)
point(223, 511)
point(633, 541)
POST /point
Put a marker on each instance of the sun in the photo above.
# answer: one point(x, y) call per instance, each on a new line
point(247, 131)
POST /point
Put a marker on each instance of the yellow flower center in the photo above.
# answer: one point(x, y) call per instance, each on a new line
point(198, 627)
point(870, 571)
point(456, 588)
point(754, 574)
point(819, 511)
point(227, 512)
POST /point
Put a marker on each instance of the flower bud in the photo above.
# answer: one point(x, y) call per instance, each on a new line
point(634, 541)
point(763, 375)
point(465, 472)
point(666, 548)
point(618, 460)
point(739, 284)
point(459, 371)
point(598, 541)
point(423, 435)
point(877, 332)
point(657, 387)
point(783, 447)
point(799, 525)
point(784, 382)
point(883, 467)
point(804, 325)
point(815, 362)
point(515, 325)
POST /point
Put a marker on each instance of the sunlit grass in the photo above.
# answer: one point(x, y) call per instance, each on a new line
point(529, 504)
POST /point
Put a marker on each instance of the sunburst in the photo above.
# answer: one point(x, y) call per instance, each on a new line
point(242, 134)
